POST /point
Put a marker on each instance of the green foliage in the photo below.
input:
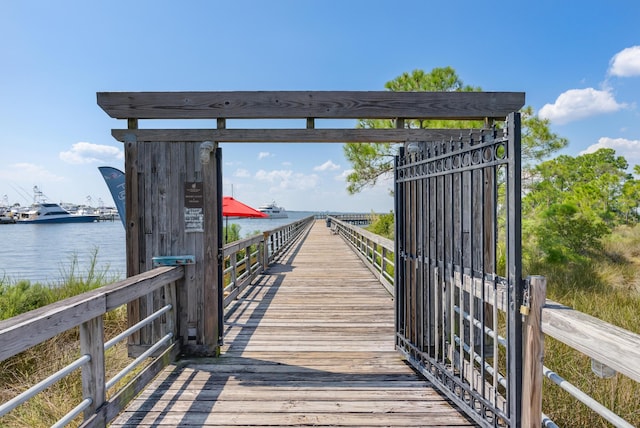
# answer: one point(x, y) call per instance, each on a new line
point(383, 225)
point(537, 140)
point(575, 201)
point(23, 296)
point(370, 161)
point(373, 160)
point(564, 233)
point(231, 233)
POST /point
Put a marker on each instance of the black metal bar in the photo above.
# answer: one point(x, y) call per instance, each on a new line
point(398, 243)
point(514, 263)
point(218, 154)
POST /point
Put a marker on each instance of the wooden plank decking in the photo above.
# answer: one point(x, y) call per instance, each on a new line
point(311, 344)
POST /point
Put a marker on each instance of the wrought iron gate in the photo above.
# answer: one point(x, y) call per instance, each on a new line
point(458, 268)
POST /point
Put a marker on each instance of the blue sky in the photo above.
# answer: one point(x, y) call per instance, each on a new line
point(577, 61)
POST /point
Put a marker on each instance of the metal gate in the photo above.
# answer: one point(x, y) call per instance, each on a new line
point(458, 268)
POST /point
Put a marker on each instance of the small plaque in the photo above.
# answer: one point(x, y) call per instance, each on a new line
point(193, 195)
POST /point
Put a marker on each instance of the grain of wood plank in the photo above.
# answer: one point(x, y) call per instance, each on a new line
point(307, 345)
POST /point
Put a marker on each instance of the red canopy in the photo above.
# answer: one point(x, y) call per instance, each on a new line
point(234, 208)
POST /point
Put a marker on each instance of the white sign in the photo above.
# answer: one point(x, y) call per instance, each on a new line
point(193, 220)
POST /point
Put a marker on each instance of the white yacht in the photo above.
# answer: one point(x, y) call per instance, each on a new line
point(273, 210)
point(45, 212)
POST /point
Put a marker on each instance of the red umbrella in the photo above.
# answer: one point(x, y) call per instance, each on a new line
point(233, 208)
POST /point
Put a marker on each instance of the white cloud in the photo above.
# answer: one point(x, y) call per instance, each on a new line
point(343, 176)
point(242, 173)
point(288, 180)
point(28, 172)
point(630, 149)
point(272, 176)
point(91, 153)
point(263, 155)
point(327, 166)
point(626, 63)
point(576, 104)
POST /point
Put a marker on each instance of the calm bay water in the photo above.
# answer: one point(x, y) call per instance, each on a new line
point(45, 252)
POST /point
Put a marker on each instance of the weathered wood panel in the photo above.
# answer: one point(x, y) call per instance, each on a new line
point(289, 135)
point(312, 343)
point(157, 175)
point(309, 104)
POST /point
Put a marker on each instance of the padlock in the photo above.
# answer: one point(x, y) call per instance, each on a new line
point(524, 310)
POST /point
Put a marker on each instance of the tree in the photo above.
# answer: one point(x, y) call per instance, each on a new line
point(577, 200)
point(370, 161)
point(373, 160)
point(538, 142)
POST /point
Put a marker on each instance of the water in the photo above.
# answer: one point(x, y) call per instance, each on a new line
point(251, 226)
point(45, 252)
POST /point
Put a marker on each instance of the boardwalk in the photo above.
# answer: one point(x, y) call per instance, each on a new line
point(311, 344)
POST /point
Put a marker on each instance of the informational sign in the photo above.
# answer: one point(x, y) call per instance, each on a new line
point(193, 207)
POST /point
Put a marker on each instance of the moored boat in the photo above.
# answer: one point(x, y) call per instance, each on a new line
point(273, 210)
point(46, 212)
point(5, 219)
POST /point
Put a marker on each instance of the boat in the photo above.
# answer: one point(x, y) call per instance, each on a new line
point(5, 219)
point(273, 210)
point(45, 212)
point(6, 216)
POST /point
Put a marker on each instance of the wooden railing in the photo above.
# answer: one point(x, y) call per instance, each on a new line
point(374, 250)
point(104, 398)
point(87, 312)
point(611, 348)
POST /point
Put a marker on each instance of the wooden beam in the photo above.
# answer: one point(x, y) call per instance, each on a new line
point(292, 135)
point(304, 104)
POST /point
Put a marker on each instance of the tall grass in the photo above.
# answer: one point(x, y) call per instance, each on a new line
point(604, 286)
point(22, 296)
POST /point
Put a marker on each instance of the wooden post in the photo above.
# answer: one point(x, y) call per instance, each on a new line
point(93, 373)
point(533, 352)
point(265, 248)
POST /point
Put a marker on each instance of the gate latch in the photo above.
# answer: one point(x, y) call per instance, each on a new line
point(526, 300)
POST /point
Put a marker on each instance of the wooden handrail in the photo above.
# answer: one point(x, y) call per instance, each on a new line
point(611, 345)
point(86, 311)
point(30, 328)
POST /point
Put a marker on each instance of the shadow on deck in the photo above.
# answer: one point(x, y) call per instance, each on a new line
point(311, 343)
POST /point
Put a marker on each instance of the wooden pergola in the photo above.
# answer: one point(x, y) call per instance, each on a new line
point(164, 165)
